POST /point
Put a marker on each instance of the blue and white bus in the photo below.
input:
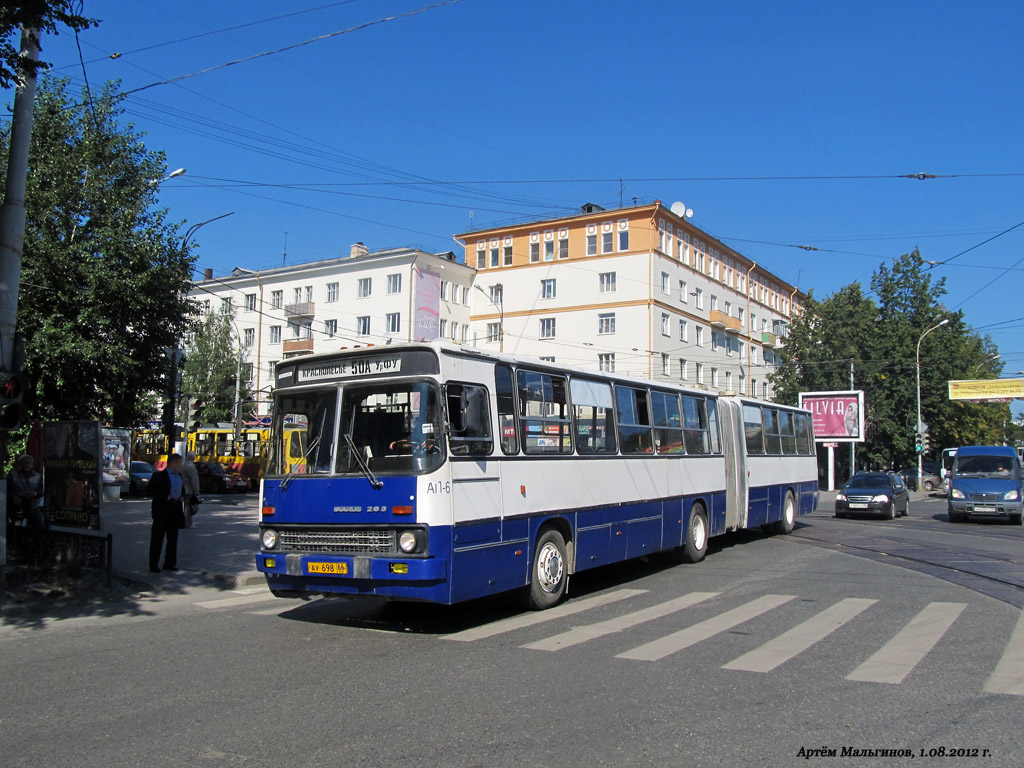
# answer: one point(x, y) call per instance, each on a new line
point(435, 472)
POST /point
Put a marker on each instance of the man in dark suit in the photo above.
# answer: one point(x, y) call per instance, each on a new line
point(166, 488)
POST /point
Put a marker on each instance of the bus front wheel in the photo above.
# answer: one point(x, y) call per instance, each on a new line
point(549, 573)
point(696, 545)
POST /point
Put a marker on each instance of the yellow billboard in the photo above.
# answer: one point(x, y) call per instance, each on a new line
point(986, 389)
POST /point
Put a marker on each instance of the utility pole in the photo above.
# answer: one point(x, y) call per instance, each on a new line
point(12, 232)
point(853, 445)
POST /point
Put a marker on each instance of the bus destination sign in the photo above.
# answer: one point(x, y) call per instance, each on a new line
point(343, 369)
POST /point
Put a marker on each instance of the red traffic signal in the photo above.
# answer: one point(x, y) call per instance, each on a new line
point(13, 413)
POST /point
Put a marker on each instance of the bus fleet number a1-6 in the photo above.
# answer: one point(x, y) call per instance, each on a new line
point(440, 486)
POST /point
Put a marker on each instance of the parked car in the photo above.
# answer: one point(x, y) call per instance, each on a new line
point(216, 478)
point(929, 480)
point(138, 478)
point(882, 493)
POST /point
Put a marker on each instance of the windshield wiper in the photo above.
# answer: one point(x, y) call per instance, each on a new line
point(377, 484)
point(305, 464)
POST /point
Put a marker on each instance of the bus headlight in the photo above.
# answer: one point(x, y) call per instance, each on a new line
point(407, 541)
point(269, 538)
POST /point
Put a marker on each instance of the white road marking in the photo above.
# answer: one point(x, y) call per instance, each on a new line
point(578, 635)
point(801, 637)
point(684, 638)
point(1008, 676)
point(228, 602)
point(896, 659)
point(530, 619)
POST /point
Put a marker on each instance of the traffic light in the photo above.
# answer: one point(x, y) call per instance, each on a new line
point(925, 443)
point(918, 443)
point(13, 412)
point(195, 410)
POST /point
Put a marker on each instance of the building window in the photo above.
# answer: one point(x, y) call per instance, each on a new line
point(563, 247)
point(250, 302)
point(606, 362)
point(272, 368)
point(698, 336)
point(682, 368)
point(606, 282)
point(226, 307)
point(495, 255)
point(698, 298)
point(493, 331)
point(665, 320)
point(508, 255)
point(497, 294)
point(547, 288)
point(293, 330)
point(455, 330)
point(275, 334)
point(297, 295)
point(666, 368)
point(623, 239)
point(665, 284)
point(699, 370)
point(363, 325)
point(248, 336)
point(713, 304)
point(728, 379)
point(443, 329)
point(534, 253)
point(365, 286)
point(446, 292)
point(549, 250)
point(332, 292)
point(683, 296)
point(764, 390)
point(394, 283)
point(331, 328)
point(606, 323)
point(547, 328)
point(607, 239)
point(276, 299)
point(247, 372)
point(683, 335)
point(481, 257)
point(394, 322)
point(591, 245)
point(714, 378)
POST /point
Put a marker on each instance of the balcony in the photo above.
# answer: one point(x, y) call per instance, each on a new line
point(303, 309)
point(297, 346)
point(720, 319)
point(771, 340)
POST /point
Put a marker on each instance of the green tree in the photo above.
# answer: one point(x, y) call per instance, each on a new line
point(880, 336)
point(211, 369)
point(104, 281)
point(40, 15)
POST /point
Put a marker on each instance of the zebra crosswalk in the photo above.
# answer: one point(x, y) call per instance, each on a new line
point(890, 664)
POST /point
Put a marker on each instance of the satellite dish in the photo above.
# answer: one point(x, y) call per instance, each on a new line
point(679, 209)
point(689, 213)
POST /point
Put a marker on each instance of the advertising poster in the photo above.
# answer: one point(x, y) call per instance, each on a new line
point(116, 455)
point(838, 417)
point(71, 473)
point(426, 320)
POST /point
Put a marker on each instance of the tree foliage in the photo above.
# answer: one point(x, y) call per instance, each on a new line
point(211, 368)
point(40, 15)
point(879, 337)
point(104, 281)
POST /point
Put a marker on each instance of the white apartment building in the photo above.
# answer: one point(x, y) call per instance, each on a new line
point(399, 294)
point(637, 290)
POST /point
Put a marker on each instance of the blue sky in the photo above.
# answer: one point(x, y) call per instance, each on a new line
point(530, 108)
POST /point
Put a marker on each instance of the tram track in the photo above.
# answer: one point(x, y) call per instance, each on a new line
point(990, 573)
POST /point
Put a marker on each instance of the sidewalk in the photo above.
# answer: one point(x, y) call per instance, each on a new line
point(220, 546)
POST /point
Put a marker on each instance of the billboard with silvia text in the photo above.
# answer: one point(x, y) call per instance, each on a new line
point(838, 417)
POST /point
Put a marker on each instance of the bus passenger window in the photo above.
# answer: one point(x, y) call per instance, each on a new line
point(469, 420)
point(753, 429)
point(786, 429)
point(504, 389)
point(634, 420)
point(544, 412)
point(695, 425)
point(772, 437)
point(668, 425)
point(593, 421)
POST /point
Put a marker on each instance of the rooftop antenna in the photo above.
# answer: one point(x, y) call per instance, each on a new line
point(680, 210)
point(284, 255)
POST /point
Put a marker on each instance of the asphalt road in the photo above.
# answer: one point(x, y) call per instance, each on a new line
point(848, 634)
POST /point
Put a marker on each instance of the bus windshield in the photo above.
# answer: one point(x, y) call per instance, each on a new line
point(395, 428)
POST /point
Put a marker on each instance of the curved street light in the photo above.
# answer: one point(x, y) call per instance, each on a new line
point(920, 456)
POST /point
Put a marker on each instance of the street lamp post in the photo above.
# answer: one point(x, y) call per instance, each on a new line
point(499, 292)
point(920, 456)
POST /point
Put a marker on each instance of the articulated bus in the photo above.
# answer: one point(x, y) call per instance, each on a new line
point(440, 473)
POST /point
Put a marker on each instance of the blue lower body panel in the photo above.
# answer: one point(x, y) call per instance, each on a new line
point(397, 577)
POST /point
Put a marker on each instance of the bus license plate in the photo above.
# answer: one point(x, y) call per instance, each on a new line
point(857, 505)
point(335, 569)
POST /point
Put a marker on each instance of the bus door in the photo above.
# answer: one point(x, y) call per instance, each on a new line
point(476, 485)
point(736, 496)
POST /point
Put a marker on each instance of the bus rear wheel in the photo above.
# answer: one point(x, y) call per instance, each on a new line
point(788, 521)
point(696, 544)
point(549, 574)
